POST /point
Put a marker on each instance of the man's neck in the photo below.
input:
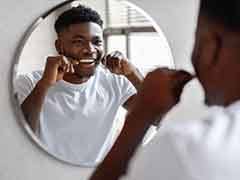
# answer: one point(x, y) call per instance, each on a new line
point(75, 79)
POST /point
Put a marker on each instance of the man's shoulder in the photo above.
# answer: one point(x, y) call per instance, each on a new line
point(217, 121)
point(104, 75)
point(103, 72)
point(205, 148)
point(30, 77)
point(184, 129)
point(35, 74)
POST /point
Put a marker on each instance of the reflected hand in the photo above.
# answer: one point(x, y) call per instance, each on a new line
point(161, 90)
point(118, 64)
point(55, 68)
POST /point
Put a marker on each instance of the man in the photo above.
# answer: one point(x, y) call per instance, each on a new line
point(205, 149)
point(72, 104)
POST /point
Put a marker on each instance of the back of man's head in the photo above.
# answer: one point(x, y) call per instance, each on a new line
point(76, 15)
point(226, 12)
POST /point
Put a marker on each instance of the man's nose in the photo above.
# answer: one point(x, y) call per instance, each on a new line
point(89, 48)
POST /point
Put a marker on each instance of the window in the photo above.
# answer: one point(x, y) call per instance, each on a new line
point(133, 34)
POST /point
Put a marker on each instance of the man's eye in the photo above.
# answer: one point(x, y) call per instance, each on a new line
point(77, 41)
point(97, 42)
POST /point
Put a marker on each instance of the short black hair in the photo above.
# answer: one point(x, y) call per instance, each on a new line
point(76, 15)
point(226, 12)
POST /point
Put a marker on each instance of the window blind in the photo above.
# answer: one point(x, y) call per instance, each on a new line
point(119, 14)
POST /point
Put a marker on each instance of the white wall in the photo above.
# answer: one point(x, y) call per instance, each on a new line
point(177, 21)
point(20, 158)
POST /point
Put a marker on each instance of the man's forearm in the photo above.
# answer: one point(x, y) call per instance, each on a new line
point(115, 164)
point(32, 105)
point(136, 78)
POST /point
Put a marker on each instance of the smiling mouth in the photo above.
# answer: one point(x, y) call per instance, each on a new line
point(86, 61)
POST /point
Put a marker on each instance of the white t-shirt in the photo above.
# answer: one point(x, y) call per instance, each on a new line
point(207, 149)
point(76, 122)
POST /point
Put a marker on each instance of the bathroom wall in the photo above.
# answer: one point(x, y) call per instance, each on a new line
point(20, 158)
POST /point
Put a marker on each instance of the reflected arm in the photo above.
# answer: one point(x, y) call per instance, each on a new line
point(32, 105)
point(136, 78)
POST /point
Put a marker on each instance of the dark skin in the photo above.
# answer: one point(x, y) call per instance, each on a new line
point(76, 43)
point(216, 61)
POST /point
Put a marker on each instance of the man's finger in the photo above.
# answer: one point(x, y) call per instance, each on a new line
point(180, 80)
point(182, 77)
point(65, 60)
point(117, 55)
point(104, 60)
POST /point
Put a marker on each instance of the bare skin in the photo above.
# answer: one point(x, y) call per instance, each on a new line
point(76, 43)
point(216, 61)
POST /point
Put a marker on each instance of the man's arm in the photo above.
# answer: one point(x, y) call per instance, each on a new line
point(32, 105)
point(136, 78)
point(118, 64)
point(115, 164)
point(160, 92)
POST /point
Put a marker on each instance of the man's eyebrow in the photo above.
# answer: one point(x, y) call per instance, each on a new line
point(82, 37)
point(78, 36)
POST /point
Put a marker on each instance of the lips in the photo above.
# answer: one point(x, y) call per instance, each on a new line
point(86, 63)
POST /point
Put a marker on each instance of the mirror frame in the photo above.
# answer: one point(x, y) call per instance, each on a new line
point(16, 106)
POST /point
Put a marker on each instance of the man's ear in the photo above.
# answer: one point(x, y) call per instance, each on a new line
point(58, 46)
point(211, 49)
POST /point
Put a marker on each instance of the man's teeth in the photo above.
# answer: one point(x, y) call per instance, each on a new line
point(86, 61)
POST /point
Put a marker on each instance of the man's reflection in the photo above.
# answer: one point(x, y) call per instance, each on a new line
point(71, 105)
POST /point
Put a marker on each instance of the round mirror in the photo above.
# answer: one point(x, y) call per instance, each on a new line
point(77, 72)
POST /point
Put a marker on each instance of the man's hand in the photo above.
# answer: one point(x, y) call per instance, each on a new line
point(55, 69)
point(160, 91)
point(118, 64)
